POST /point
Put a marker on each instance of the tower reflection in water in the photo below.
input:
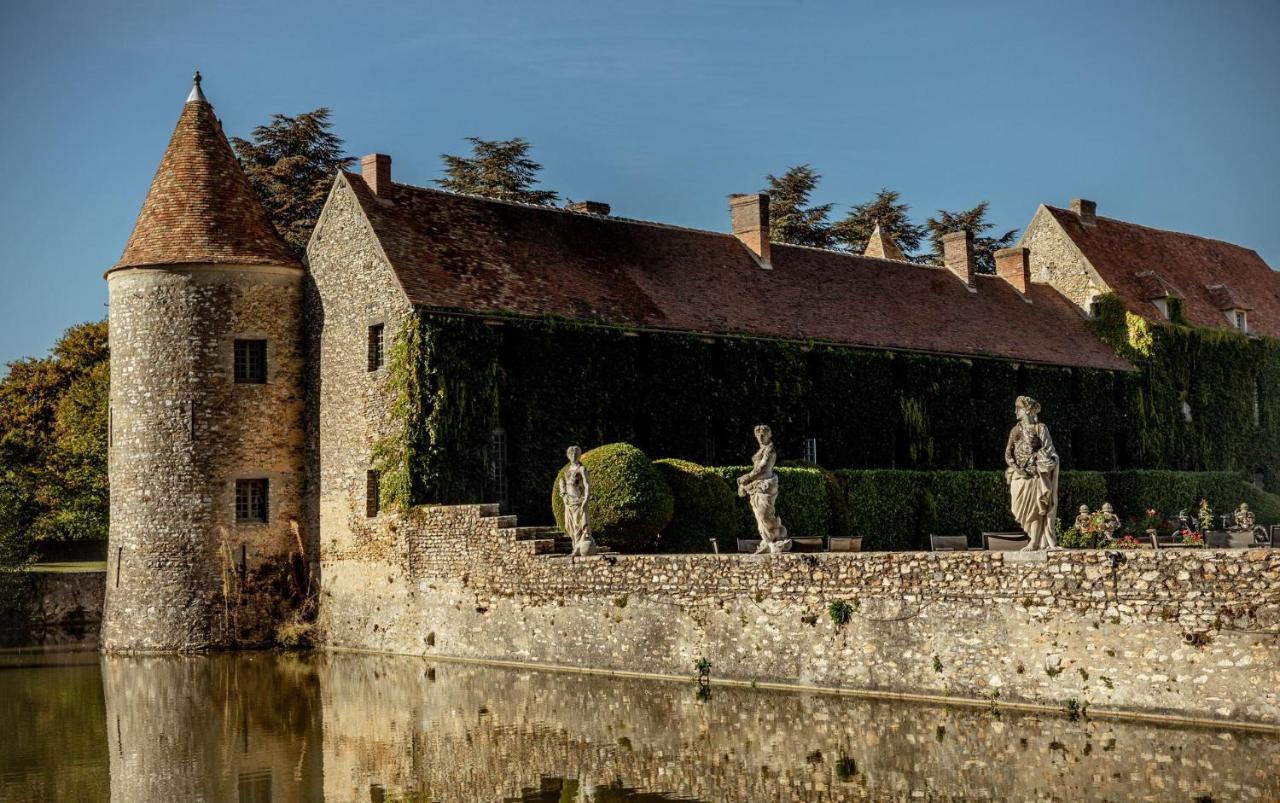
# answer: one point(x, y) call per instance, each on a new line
point(263, 727)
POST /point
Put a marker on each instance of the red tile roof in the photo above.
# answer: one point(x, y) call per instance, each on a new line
point(1193, 266)
point(200, 207)
point(461, 253)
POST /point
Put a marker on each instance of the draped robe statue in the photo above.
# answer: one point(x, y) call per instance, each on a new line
point(1032, 475)
point(574, 488)
point(760, 486)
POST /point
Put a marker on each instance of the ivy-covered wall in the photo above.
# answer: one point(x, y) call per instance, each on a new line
point(548, 383)
point(1204, 399)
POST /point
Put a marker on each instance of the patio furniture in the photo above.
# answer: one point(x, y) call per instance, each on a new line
point(1230, 539)
point(807, 543)
point(948, 543)
point(1170, 542)
point(842, 543)
point(1004, 542)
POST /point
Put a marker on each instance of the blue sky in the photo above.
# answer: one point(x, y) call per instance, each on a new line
point(1165, 113)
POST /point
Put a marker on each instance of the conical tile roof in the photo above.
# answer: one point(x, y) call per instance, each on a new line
point(201, 208)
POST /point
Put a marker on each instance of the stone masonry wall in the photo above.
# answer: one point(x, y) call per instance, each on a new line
point(1056, 259)
point(1189, 633)
point(182, 431)
point(352, 289)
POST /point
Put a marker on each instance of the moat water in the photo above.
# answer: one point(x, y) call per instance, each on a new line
point(266, 727)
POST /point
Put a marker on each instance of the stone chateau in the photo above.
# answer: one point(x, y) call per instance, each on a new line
point(248, 387)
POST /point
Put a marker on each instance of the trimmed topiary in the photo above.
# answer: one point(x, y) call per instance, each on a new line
point(704, 508)
point(630, 503)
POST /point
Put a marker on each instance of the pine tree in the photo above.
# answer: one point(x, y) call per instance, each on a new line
point(291, 163)
point(975, 222)
point(889, 213)
point(497, 168)
point(791, 218)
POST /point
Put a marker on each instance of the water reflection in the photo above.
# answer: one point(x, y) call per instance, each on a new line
point(382, 729)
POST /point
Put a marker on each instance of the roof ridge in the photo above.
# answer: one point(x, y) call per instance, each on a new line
point(1158, 230)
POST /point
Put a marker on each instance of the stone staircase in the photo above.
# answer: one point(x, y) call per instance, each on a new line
point(538, 540)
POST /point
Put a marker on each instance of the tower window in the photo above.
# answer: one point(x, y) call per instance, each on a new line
point(376, 347)
point(251, 500)
point(251, 361)
point(372, 492)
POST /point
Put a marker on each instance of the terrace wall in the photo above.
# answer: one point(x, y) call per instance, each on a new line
point(1187, 633)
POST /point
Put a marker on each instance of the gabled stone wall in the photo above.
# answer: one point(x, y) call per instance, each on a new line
point(1187, 633)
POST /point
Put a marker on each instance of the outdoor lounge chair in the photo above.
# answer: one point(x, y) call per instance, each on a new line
point(1004, 542)
point(1232, 539)
point(948, 543)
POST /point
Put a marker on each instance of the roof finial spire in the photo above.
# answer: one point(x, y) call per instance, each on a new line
point(196, 95)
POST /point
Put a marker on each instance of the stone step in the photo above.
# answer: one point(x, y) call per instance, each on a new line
point(490, 510)
point(525, 533)
point(503, 522)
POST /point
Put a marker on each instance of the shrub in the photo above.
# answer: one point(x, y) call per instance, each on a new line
point(630, 503)
point(802, 501)
point(703, 507)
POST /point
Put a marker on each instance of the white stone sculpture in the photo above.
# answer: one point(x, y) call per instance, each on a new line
point(1110, 521)
point(574, 487)
point(1032, 475)
point(760, 486)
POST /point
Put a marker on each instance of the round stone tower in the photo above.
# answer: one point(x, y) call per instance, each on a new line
point(206, 422)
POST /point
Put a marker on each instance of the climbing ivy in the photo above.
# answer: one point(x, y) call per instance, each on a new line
point(551, 382)
point(442, 375)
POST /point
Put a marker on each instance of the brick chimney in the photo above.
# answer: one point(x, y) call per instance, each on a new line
point(376, 170)
point(957, 255)
point(750, 216)
point(1014, 266)
point(589, 208)
point(1087, 211)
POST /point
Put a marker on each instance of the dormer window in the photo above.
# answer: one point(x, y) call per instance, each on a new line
point(1240, 319)
point(1233, 306)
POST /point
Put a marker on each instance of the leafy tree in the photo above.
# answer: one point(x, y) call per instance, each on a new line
point(291, 163)
point(975, 222)
point(53, 442)
point(893, 217)
point(791, 218)
point(497, 168)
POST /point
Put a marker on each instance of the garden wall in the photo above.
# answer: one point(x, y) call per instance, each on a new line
point(1194, 634)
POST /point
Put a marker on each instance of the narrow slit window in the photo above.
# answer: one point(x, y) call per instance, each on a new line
point(251, 500)
point(251, 362)
point(372, 493)
point(377, 346)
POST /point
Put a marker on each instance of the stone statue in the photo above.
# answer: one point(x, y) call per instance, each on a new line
point(574, 487)
point(1084, 519)
point(1110, 521)
point(1244, 518)
point(1032, 475)
point(760, 486)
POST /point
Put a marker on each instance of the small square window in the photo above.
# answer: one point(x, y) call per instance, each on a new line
point(376, 346)
point(251, 500)
point(251, 361)
point(372, 493)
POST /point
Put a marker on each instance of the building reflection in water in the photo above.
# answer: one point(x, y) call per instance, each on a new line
point(385, 729)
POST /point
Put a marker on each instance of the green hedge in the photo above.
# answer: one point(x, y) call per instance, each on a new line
point(704, 507)
point(895, 510)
